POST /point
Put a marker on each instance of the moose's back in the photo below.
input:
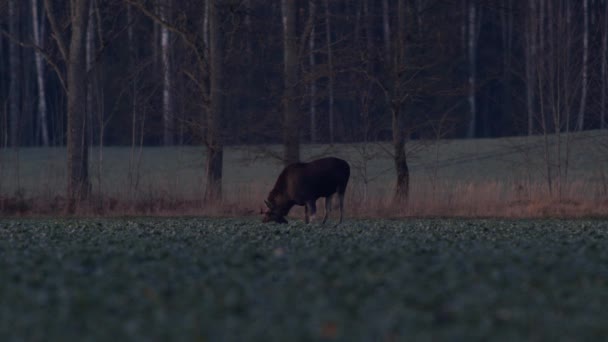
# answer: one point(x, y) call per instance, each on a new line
point(319, 178)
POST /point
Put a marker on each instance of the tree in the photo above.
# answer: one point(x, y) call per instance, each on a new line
point(165, 45)
point(556, 71)
point(531, 38)
point(313, 81)
point(330, 67)
point(38, 29)
point(604, 69)
point(291, 129)
point(207, 44)
point(215, 113)
point(15, 77)
point(585, 65)
point(395, 87)
point(472, 55)
point(507, 47)
point(74, 57)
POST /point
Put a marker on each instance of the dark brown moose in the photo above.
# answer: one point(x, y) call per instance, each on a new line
point(303, 184)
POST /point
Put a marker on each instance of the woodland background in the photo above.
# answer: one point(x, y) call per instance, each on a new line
point(224, 73)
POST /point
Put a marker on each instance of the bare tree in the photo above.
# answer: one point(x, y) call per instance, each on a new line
point(214, 115)
point(74, 55)
point(14, 97)
point(583, 102)
point(38, 29)
point(507, 45)
point(386, 27)
point(330, 66)
point(207, 44)
point(291, 130)
point(604, 69)
point(168, 140)
point(472, 55)
point(133, 173)
point(556, 70)
point(531, 37)
point(313, 82)
point(71, 70)
point(396, 93)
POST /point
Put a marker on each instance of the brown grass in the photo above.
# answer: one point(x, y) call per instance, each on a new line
point(471, 200)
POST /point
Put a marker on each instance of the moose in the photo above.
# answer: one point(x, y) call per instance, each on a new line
point(303, 184)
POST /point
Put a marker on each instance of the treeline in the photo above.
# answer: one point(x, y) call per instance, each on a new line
point(216, 72)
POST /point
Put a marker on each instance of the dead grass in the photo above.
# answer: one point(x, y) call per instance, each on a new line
point(427, 199)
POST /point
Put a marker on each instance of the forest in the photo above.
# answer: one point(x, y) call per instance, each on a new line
point(218, 73)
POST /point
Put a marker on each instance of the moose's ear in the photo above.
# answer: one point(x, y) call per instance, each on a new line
point(268, 204)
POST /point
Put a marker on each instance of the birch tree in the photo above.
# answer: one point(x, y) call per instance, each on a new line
point(472, 56)
point(291, 130)
point(38, 30)
point(14, 94)
point(167, 78)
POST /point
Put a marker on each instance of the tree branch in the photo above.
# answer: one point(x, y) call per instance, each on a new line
point(42, 52)
point(56, 32)
point(185, 35)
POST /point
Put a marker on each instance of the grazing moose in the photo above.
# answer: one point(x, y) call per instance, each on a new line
point(303, 184)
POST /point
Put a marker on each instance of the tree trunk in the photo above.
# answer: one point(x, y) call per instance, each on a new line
point(581, 113)
point(92, 79)
point(330, 67)
point(530, 60)
point(472, 44)
point(38, 32)
point(396, 106)
point(215, 152)
point(206, 23)
point(604, 75)
point(94, 120)
point(134, 102)
point(78, 176)
point(386, 30)
point(168, 130)
point(402, 187)
point(507, 38)
point(291, 130)
point(14, 97)
point(313, 82)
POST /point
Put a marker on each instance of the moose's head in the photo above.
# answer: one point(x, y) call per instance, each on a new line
point(273, 214)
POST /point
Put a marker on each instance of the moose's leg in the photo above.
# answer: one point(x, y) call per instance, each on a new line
point(341, 197)
point(306, 213)
point(327, 208)
point(313, 210)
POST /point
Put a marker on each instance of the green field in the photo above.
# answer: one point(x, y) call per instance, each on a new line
point(236, 280)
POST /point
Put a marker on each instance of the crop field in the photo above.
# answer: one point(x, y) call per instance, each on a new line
point(237, 279)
